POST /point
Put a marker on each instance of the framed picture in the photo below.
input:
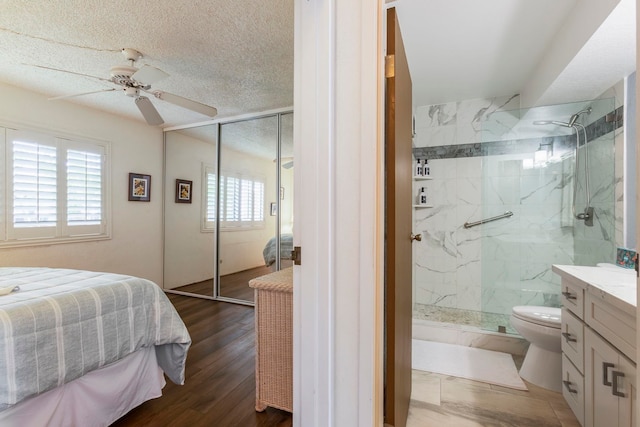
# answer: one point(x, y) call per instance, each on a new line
point(183, 191)
point(274, 209)
point(139, 187)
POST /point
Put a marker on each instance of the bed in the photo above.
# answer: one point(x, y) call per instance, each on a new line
point(286, 246)
point(84, 348)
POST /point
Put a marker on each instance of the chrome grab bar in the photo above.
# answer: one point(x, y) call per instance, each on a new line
point(507, 214)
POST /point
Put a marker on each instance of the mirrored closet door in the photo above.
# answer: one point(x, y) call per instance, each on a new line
point(189, 210)
point(233, 223)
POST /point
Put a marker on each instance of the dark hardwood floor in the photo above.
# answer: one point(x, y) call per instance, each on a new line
point(219, 388)
point(234, 285)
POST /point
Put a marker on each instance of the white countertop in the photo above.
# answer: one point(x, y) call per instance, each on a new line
point(615, 284)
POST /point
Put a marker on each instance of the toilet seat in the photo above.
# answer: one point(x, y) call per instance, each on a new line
point(543, 316)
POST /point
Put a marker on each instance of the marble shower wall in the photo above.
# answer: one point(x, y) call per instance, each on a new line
point(491, 169)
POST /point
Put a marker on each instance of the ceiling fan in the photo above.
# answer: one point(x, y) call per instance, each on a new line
point(133, 81)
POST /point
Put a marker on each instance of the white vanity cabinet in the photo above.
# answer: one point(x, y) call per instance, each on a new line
point(599, 345)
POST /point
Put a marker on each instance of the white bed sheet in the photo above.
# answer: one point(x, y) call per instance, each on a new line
point(96, 399)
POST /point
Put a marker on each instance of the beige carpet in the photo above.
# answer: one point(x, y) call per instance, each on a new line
point(476, 364)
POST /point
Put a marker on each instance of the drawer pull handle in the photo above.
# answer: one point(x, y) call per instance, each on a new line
point(614, 389)
point(567, 336)
point(605, 373)
point(569, 295)
point(567, 385)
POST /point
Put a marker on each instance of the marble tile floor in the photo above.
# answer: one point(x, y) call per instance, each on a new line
point(484, 321)
point(445, 401)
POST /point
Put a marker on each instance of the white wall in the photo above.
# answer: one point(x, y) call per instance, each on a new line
point(136, 244)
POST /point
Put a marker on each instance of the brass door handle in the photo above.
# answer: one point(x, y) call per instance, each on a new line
point(417, 237)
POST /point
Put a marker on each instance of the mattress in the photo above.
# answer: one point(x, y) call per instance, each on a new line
point(62, 324)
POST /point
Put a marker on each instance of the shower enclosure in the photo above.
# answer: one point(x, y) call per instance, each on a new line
point(554, 169)
point(544, 206)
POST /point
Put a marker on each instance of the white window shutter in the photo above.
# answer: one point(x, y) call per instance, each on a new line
point(209, 194)
point(33, 208)
point(84, 191)
point(55, 189)
point(4, 153)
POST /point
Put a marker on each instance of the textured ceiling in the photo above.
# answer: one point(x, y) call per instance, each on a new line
point(236, 56)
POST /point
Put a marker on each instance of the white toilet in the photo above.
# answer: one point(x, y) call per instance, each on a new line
point(540, 326)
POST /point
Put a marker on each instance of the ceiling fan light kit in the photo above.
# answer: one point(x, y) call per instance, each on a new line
point(133, 80)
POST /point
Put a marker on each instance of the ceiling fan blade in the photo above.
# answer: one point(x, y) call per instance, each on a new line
point(149, 75)
point(69, 72)
point(55, 98)
point(186, 103)
point(148, 111)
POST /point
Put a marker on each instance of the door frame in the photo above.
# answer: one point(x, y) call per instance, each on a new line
point(339, 213)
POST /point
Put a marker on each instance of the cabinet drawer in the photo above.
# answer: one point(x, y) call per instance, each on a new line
point(619, 327)
point(573, 388)
point(573, 298)
point(573, 339)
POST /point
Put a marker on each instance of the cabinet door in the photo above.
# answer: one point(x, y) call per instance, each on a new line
point(627, 405)
point(606, 367)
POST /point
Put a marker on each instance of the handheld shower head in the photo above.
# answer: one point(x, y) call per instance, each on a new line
point(573, 118)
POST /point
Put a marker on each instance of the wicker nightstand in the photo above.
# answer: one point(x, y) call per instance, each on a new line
point(274, 340)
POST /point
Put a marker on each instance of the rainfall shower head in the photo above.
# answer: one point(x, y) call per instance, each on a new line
point(552, 122)
point(569, 124)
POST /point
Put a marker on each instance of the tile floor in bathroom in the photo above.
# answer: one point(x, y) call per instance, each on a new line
point(445, 401)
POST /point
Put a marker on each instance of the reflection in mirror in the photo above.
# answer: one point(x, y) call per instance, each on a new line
point(233, 240)
point(248, 203)
point(189, 210)
point(286, 190)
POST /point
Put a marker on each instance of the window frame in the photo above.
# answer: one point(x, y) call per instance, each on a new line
point(62, 232)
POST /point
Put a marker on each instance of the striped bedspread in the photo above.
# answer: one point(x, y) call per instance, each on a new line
point(62, 324)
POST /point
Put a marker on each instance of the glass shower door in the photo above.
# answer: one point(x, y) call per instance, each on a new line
point(531, 187)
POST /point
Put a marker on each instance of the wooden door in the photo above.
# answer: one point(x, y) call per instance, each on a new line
point(398, 227)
